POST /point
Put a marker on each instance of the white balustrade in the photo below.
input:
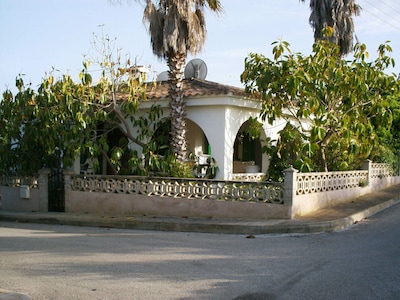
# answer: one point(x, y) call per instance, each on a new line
point(248, 177)
point(15, 181)
point(321, 182)
point(180, 188)
point(381, 170)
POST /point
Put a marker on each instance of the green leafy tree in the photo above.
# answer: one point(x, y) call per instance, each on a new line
point(388, 148)
point(336, 106)
point(177, 28)
point(338, 15)
point(395, 131)
point(53, 125)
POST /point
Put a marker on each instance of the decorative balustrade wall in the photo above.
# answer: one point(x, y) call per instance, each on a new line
point(315, 182)
point(181, 188)
point(322, 182)
point(379, 170)
point(252, 177)
point(301, 193)
point(15, 181)
point(309, 192)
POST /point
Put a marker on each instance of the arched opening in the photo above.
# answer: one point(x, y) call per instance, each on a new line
point(196, 139)
point(198, 147)
point(247, 151)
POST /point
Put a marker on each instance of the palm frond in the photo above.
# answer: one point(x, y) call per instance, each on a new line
point(337, 14)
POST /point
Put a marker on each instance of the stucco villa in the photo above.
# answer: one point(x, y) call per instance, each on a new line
point(217, 116)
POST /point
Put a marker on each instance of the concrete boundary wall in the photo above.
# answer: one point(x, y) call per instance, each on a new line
point(303, 193)
point(308, 203)
point(11, 199)
point(94, 202)
point(327, 189)
point(25, 194)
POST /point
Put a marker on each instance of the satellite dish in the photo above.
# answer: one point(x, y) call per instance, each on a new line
point(163, 76)
point(196, 68)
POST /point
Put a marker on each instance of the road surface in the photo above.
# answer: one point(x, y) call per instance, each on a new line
point(66, 262)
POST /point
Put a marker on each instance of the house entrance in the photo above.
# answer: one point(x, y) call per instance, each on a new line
point(247, 155)
point(56, 192)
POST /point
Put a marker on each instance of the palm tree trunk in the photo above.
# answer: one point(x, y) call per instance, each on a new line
point(176, 64)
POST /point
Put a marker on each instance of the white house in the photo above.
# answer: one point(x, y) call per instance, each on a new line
point(217, 116)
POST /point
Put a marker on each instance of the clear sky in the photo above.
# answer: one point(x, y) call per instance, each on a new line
point(37, 35)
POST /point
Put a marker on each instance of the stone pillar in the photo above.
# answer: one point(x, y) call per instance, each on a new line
point(289, 190)
point(367, 165)
point(44, 190)
point(67, 188)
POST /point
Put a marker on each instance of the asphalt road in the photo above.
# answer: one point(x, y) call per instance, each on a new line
point(66, 262)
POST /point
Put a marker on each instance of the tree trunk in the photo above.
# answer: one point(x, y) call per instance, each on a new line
point(323, 159)
point(176, 64)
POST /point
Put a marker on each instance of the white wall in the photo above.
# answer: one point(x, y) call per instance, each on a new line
point(211, 120)
point(308, 203)
point(11, 200)
point(93, 202)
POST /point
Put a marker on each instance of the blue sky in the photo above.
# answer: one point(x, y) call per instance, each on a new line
point(37, 35)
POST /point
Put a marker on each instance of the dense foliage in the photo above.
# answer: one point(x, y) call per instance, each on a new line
point(63, 120)
point(337, 110)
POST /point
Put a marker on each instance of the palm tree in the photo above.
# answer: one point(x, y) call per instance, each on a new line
point(337, 14)
point(177, 27)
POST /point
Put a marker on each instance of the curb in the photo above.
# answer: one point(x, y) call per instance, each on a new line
point(7, 295)
point(250, 227)
point(355, 218)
